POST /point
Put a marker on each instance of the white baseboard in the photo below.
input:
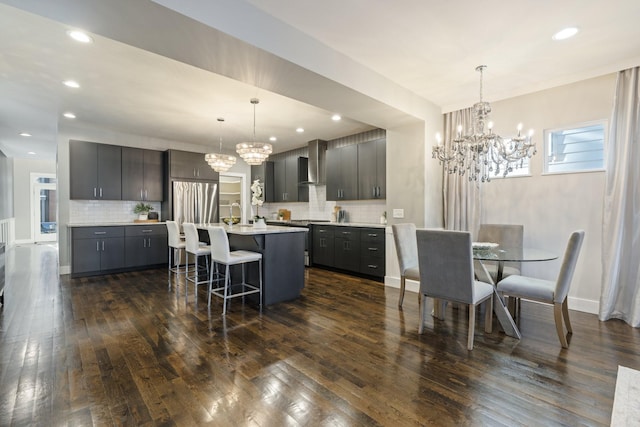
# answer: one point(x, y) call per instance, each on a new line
point(578, 304)
point(64, 269)
point(23, 241)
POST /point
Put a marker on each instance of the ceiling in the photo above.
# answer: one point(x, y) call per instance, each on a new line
point(428, 47)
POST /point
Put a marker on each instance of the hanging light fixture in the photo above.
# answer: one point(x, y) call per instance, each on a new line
point(220, 162)
point(254, 153)
point(480, 153)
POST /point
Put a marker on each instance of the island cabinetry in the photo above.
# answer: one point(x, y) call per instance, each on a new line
point(145, 246)
point(342, 173)
point(96, 250)
point(95, 171)
point(264, 173)
point(288, 173)
point(142, 174)
point(185, 164)
point(372, 245)
point(372, 176)
point(322, 245)
point(347, 249)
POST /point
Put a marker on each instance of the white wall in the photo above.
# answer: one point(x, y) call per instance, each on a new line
point(22, 197)
point(552, 206)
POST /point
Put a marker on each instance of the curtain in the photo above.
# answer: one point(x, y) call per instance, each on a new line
point(462, 198)
point(620, 298)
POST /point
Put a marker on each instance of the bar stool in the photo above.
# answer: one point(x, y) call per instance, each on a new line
point(176, 247)
point(221, 254)
point(195, 248)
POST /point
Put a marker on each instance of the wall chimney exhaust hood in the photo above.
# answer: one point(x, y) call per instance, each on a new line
point(317, 158)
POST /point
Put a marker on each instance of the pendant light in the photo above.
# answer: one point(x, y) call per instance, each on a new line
point(220, 162)
point(254, 153)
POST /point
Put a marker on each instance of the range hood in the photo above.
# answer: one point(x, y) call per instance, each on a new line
point(317, 157)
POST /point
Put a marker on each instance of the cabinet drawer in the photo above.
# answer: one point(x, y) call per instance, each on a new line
point(97, 232)
point(347, 233)
point(145, 230)
point(373, 235)
point(372, 266)
point(372, 250)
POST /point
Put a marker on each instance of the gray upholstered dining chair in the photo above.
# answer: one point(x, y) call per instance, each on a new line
point(549, 291)
point(404, 236)
point(445, 261)
point(506, 235)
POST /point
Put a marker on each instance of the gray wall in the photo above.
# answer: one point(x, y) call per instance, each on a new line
point(6, 187)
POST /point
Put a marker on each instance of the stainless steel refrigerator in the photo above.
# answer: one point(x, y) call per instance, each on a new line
point(195, 201)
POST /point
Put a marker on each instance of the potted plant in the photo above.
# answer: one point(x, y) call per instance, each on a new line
point(257, 201)
point(142, 210)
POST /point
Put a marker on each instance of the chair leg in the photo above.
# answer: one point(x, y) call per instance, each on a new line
point(557, 314)
point(565, 314)
point(472, 326)
point(488, 315)
point(402, 284)
point(227, 283)
point(260, 278)
point(423, 311)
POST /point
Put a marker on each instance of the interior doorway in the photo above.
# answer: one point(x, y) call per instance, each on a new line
point(44, 207)
point(232, 196)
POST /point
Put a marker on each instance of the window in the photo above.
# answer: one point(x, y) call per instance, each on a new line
point(575, 149)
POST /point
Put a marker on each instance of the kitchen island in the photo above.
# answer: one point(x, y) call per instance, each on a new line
point(282, 250)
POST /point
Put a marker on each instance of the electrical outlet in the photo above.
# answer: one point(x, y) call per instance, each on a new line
point(398, 213)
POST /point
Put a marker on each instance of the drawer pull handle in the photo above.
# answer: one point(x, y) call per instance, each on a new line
point(99, 232)
point(372, 266)
point(147, 231)
point(373, 235)
point(373, 249)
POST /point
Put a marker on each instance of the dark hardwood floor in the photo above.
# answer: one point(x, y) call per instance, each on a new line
point(124, 350)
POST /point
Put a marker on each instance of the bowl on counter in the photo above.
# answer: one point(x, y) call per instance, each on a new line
point(231, 221)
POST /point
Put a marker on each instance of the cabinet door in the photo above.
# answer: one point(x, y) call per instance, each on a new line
point(297, 172)
point(86, 255)
point(109, 172)
point(347, 249)
point(153, 176)
point(280, 180)
point(135, 249)
point(132, 173)
point(157, 250)
point(264, 173)
point(83, 163)
point(322, 248)
point(342, 173)
point(185, 164)
point(372, 170)
point(112, 255)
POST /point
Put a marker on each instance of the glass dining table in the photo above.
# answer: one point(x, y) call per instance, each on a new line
point(500, 255)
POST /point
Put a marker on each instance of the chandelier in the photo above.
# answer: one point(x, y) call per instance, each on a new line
point(480, 153)
point(254, 153)
point(220, 162)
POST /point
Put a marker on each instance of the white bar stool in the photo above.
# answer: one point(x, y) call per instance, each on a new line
point(177, 247)
point(195, 248)
point(221, 254)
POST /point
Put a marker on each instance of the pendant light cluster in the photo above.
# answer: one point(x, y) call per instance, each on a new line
point(254, 153)
point(220, 162)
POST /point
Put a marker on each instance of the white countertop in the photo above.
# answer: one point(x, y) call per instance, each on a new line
point(112, 224)
point(250, 230)
point(352, 224)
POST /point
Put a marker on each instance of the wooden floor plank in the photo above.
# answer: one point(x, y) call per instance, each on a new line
point(123, 349)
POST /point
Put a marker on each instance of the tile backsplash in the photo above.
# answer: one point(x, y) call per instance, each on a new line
point(92, 211)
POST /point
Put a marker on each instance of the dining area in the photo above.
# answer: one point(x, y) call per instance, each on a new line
point(451, 267)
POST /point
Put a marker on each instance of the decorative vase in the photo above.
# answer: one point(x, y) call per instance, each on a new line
point(143, 216)
point(259, 223)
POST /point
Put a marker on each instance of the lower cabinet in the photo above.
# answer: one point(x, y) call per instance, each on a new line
point(145, 245)
point(350, 249)
point(102, 250)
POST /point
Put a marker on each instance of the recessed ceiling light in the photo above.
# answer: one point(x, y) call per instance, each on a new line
point(71, 83)
point(300, 130)
point(80, 36)
point(25, 134)
point(336, 117)
point(69, 115)
point(565, 33)
point(273, 138)
point(31, 152)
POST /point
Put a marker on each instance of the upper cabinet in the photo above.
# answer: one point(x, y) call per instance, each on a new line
point(188, 165)
point(342, 173)
point(372, 170)
point(288, 173)
point(264, 173)
point(95, 171)
point(142, 174)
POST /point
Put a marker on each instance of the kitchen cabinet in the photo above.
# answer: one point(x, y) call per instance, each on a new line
point(96, 250)
point(142, 174)
point(94, 171)
point(372, 251)
point(145, 245)
point(372, 176)
point(288, 173)
point(342, 173)
point(264, 172)
point(188, 165)
point(347, 249)
point(322, 250)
